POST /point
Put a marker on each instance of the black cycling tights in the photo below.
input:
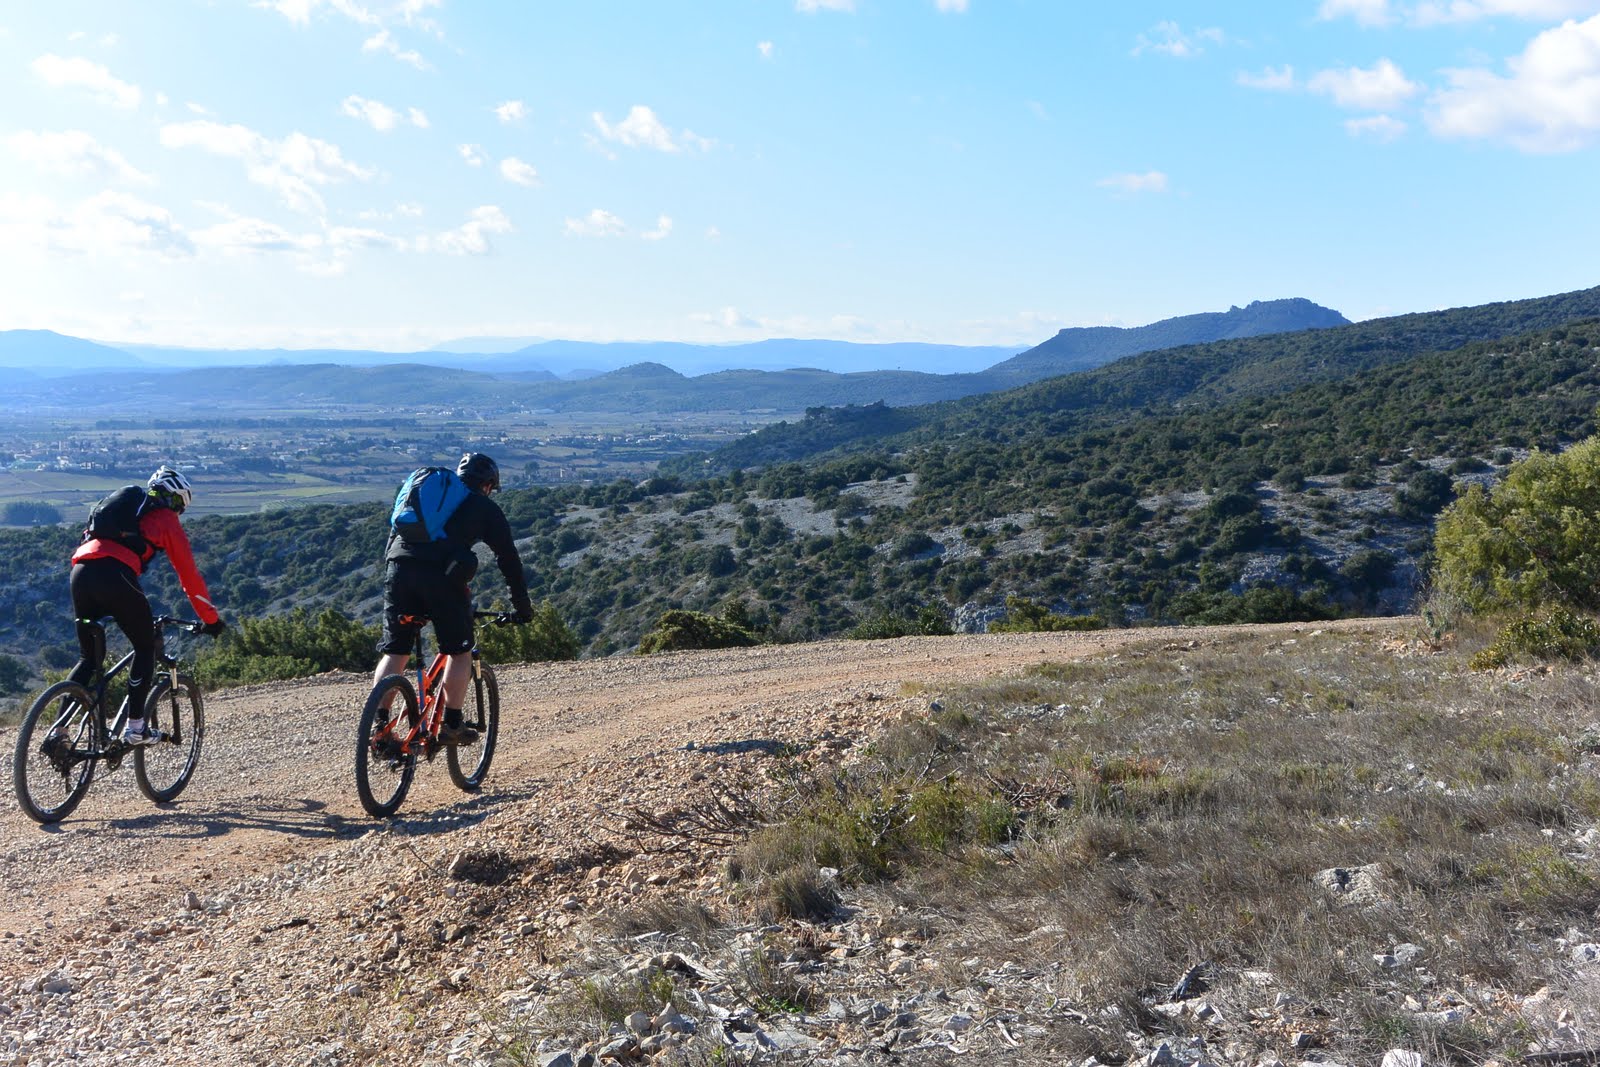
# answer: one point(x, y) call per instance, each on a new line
point(103, 587)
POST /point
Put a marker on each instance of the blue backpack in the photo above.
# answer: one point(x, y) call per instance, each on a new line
point(427, 498)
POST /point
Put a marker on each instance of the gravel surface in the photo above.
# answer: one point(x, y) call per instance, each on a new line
point(264, 918)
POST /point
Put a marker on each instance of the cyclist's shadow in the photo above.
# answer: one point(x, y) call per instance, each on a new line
point(311, 819)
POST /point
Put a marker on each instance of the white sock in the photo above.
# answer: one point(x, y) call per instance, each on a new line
point(135, 726)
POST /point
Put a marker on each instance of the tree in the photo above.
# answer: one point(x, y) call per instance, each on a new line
point(1533, 541)
point(13, 675)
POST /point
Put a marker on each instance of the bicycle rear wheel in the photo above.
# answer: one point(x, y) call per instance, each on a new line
point(164, 767)
point(383, 770)
point(484, 717)
point(57, 743)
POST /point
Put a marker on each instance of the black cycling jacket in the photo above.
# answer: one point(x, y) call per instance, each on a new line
point(477, 520)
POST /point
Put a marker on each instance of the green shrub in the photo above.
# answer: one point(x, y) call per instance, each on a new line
point(288, 646)
point(547, 637)
point(929, 622)
point(678, 630)
point(1532, 541)
point(1556, 634)
point(1026, 616)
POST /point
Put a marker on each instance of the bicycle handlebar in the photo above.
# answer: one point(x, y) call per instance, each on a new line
point(499, 618)
point(192, 626)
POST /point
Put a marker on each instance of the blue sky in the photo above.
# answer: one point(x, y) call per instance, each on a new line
point(394, 173)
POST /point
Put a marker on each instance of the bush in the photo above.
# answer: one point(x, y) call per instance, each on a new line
point(1026, 616)
point(1556, 634)
point(679, 630)
point(1531, 543)
point(288, 646)
point(929, 622)
point(547, 637)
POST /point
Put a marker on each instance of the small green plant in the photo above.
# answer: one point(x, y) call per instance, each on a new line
point(679, 630)
point(1026, 616)
point(1558, 633)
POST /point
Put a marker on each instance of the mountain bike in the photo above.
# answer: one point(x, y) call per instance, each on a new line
point(65, 735)
point(394, 731)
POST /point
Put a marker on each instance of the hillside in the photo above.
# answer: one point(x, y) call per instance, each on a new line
point(653, 833)
point(1084, 348)
point(1270, 506)
point(1191, 375)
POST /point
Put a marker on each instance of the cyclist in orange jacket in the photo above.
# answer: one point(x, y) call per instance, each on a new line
point(105, 581)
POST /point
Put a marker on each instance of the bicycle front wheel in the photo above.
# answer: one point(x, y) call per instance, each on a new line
point(384, 766)
point(162, 768)
point(57, 744)
point(484, 717)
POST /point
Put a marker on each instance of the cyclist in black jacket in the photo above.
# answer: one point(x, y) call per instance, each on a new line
point(431, 580)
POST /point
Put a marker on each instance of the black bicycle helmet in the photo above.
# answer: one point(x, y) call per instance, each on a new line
point(479, 471)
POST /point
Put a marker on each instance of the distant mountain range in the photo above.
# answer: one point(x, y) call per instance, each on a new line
point(784, 375)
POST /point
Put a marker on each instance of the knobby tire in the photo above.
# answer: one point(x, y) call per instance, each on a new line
point(46, 794)
point(484, 717)
point(163, 768)
point(382, 776)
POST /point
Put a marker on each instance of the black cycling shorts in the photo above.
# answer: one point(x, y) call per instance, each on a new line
point(421, 588)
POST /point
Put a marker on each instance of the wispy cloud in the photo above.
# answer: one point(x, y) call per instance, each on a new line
point(1270, 79)
point(471, 238)
point(1153, 181)
point(472, 154)
point(1376, 127)
point(1365, 12)
point(517, 172)
point(110, 223)
point(1170, 39)
point(597, 223)
point(811, 7)
point(300, 12)
point(380, 116)
point(765, 48)
point(293, 168)
point(383, 41)
point(1433, 12)
point(663, 228)
point(77, 72)
point(1378, 88)
point(511, 111)
point(642, 129)
point(75, 154)
point(953, 6)
point(1547, 101)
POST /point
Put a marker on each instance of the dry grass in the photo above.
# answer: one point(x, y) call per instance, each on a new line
point(1171, 806)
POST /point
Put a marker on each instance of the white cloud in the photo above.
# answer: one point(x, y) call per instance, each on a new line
point(1170, 39)
point(713, 234)
point(517, 172)
point(811, 7)
point(75, 154)
point(472, 237)
point(663, 228)
point(765, 48)
point(299, 12)
point(109, 223)
point(511, 111)
point(472, 154)
point(1039, 110)
point(957, 6)
point(1376, 127)
point(1549, 101)
point(729, 318)
point(1380, 88)
point(642, 129)
point(1365, 12)
point(1433, 12)
point(383, 41)
point(597, 223)
point(379, 116)
point(292, 167)
point(81, 73)
point(1271, 79)
point(248, 236)
point(1149, 182)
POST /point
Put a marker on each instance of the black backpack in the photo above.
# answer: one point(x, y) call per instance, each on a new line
point(116, 518)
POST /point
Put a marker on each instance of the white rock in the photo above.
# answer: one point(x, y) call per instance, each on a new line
point(1399, 1057)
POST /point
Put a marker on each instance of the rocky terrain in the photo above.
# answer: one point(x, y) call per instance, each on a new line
point(564, 915)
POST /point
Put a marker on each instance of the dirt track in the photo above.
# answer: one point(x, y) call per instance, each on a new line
point(275, 780)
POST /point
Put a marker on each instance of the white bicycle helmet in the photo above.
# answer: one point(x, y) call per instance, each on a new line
point(171, 488)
